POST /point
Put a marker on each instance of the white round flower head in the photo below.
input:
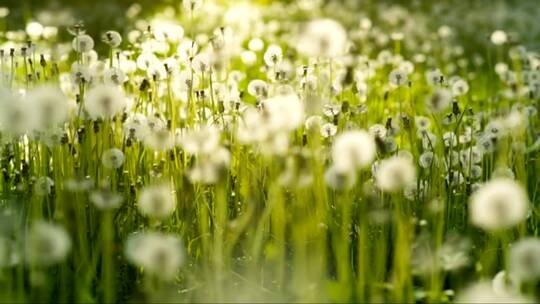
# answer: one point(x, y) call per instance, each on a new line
point(283, 112)
point(112, 158)
point(460, 87)
point(248, 57)
point(485, 144)
point(114, 76)
point(434, 77)
point(450, 139)
point(105, 199)
point(156, 70)
point(104, 101)
point(204, 140)
point(43, 185)
point(16, 116)
point(146, 59)
point(83, 43)
point(159, 255)
point(353, 150)
point(504, 283)
point(273, 55)
point(155, 123)
point(501, 68)
point(80, 73)
point(156, 201)
point(440, 100)
point(167, 31)
point(499, 204)
point(524, 259)
point(52, 137)
point(208, 171)
point(135, 126)
point(322, 38)
point(340, 179)
point(34, 29)
point(187, 49)
point(256, 44)
point(112, 38)
point(47, 244)
point(257, 88)
point(49, 104)
point(398, 77)
point(427, 159)
point(499, 37)
point(422, 123)
point(313, 123)
point(161, 139)
point(482, 292)
point(395, 173)
point(201, 63)
point(377, 130)
point(328, 130)
point(471, 155)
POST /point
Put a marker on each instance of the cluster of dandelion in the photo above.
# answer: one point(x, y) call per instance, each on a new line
point(264, 158)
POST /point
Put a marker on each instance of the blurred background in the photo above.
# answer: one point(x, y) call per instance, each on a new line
point(465, 16)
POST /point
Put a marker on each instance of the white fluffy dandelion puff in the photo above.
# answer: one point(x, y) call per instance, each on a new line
point(104, 101)
point(353, 150)
point(157, 201)
point(160, 255)
point(499, 204)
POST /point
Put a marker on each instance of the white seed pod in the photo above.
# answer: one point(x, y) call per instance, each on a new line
point(104, 101)
point(156, 201)
point(112, 158)
point(46, 244)
point(83, 43)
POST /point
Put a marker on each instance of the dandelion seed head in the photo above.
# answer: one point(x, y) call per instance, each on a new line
point(114, 76)
point(104, 101)
point(499, 204)
point(524, 259)
point(156, 201)
point(43, 186)
point(112, 158)
point(328, 130)
point(256, 44)
point(83, 43)
point(203, 140)
point(398, 77)
point(427, 160)
point(46, 244)
point(273, 55)
point(504, 284)
point(105, 199)
point(460, 87)
point(283, 112)
point(340, 179)
point(353, 150)
point(440, 100)
point(34, 29)
point(50, 105)
point(112, 38)
point(395, 173)
point(160, 255)
point(16, 118)
point(159, 139)
point(325, 38)
point(499, 37)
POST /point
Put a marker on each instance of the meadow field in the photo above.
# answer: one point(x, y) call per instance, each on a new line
point(270, 151)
